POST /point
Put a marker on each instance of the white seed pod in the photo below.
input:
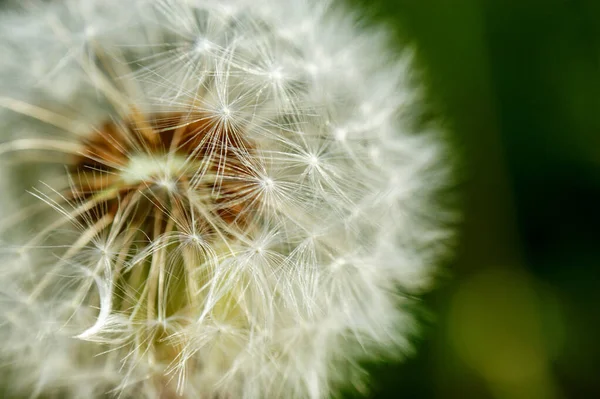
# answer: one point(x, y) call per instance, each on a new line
point(234, 200)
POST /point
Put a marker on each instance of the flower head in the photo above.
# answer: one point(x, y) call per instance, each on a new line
point(232, 197)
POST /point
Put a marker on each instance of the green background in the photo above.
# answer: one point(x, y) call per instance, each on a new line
point(518, 82)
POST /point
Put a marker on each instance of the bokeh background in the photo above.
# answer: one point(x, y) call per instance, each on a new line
point(518, 82)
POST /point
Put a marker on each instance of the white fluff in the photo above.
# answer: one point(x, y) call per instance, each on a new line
point(344, 183)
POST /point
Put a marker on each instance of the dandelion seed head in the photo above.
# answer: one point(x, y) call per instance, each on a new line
point(229, 199)
point(202, 45)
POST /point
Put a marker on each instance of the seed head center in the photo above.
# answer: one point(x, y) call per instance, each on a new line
point(156, 162)
point(156, 168)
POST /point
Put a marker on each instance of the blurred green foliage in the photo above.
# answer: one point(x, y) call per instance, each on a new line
point(518, 83)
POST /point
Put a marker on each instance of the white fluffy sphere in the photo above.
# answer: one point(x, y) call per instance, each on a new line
point(237, 199)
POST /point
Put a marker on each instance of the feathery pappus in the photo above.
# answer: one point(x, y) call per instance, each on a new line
point(209, 199)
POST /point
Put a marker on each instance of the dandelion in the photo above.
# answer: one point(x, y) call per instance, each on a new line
point(209, 199)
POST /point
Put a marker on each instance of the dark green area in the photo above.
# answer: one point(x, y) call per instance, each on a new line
point(518, 82)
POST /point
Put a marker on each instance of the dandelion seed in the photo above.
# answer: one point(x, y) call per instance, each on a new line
point(242, 193)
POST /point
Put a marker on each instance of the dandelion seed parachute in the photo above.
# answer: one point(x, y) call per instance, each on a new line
point(227, 198)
